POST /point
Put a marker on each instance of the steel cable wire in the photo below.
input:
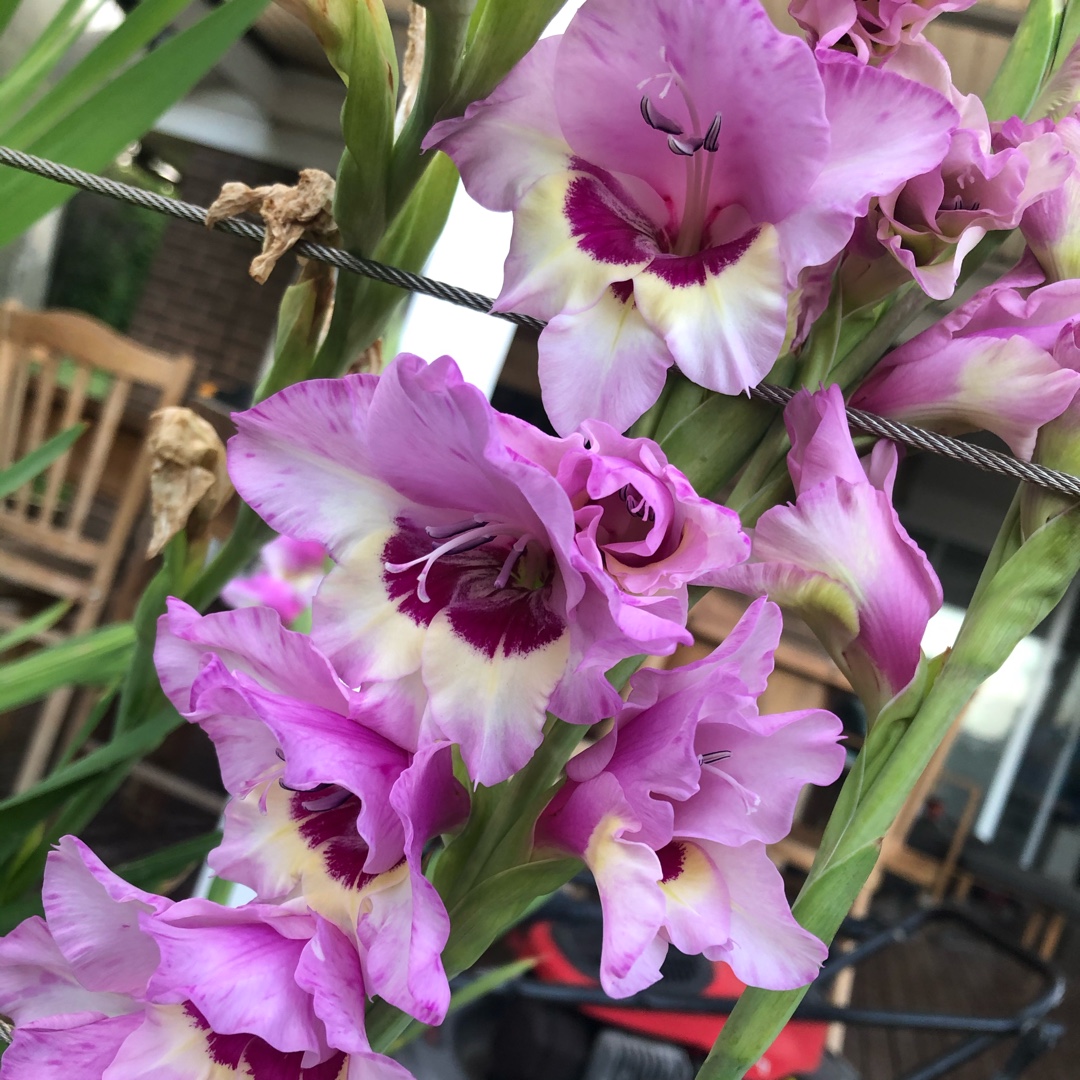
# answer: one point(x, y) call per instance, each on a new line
point(869, 423)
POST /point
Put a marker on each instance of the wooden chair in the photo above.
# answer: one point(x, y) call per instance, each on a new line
point(64, 533)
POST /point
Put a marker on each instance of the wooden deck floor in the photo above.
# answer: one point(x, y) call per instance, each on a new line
point(947, 970)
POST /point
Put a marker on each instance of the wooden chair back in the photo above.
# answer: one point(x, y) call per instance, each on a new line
point(63, 533)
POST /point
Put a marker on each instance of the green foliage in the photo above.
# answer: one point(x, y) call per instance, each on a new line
point(1028, 61)
point(38, 624)
point(162, 871)
point(112, 109)
point(75, 86)
point(37, 461)
point(501, 32)
point(93, 659)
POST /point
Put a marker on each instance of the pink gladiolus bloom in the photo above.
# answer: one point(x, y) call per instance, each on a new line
point(1052, 225)
point(116, 983)
point(839, 556)
point(932, 221)
point(672, 168)
point(325, 810)
point(872, 29)
point(672, 810)
point(287, 579)
point(492, 569)
point(989, 365)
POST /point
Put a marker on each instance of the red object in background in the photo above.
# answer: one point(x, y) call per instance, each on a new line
point(798, 1049)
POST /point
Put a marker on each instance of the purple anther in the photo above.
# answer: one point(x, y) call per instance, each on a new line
point(686, 146)
point(712, 136)
point(329, 801)
point(656, 119)
point(443, 532)
point(713, 756)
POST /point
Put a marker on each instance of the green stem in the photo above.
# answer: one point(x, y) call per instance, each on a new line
point(504, 816)
point(249, 534)
point(907, 303)
point(679, 399)
point(444, 41)
point(768, 493)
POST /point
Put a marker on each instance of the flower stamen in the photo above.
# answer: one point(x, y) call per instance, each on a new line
point(463, 541)
point(658, 120)
point(459, 537)
point(713, 756)
point(510, 562)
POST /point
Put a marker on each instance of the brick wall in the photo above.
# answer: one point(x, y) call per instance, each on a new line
point(198, 297)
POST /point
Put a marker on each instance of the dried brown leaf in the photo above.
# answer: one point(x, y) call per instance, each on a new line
point(189, 483)
point(413, 66)
point(288, 213)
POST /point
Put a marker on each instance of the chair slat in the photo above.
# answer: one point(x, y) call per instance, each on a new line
point(102, 439)
point(8, 372)
point(38, 426)
point(15, 400)
point(73, 412)
point(37, 548)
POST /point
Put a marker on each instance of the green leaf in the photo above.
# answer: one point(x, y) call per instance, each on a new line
point(299, 322)
point(90, 724)
point(44, 54)
point(1025, 588)
point(138, 29)
point(7, 9)
point(92, 659)
point(496, 904)
point(91, 135)
point(37, 461)
point(446, 27)
point(133, 744)
point(42, 823)
point(367, 125)
point(15, 911)
point(501, 32)
point(67, 800)
point(362, 308)
point(162, 871)
point(1017, 83)
point(41, 622)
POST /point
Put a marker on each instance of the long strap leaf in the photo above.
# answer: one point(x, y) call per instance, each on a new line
point(7, 9)
point(38, 624)
point(93, 658)
point(140, 28)
point(92, 134)
point(44, 54)
point(37, 461)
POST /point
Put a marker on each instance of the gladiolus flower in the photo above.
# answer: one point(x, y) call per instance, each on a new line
point(672, 810)
point(989, 365)
point(672, 168)
point(839, 556)
point(492, 568)
point(872, 29)
point(116, 983)
point(325, 810)
point(288, 576)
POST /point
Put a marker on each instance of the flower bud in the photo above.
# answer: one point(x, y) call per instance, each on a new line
point(1058, 444)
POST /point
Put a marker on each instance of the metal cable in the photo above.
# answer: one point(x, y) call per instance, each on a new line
point(978, 456)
